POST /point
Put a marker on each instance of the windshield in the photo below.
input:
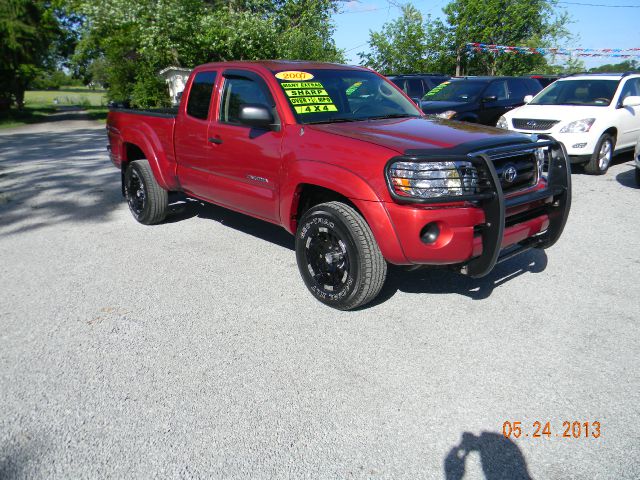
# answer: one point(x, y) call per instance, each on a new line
point(462, 91)
point(325, 96)
point(593, 92)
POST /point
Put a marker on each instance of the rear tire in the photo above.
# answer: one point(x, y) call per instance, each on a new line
point(602, 155)
point(338, 257)
point(148, 201)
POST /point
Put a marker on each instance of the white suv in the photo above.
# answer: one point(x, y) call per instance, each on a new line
point(593, 115)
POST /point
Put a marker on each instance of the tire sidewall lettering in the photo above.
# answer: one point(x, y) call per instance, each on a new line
point(309, 226)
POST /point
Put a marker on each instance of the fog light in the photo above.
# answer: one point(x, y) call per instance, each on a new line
point(579, 145)
point(430, 233)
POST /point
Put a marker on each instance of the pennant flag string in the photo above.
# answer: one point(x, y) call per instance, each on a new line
point(575, 52)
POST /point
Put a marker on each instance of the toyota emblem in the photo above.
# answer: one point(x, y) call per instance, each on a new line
point(509, 174)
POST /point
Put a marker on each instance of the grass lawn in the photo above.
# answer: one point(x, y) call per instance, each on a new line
point(40, 103)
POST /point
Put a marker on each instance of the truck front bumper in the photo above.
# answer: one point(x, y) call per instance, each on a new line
point(492, 228)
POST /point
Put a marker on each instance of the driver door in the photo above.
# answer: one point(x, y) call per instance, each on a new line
point(491, 110)
point(247, 160)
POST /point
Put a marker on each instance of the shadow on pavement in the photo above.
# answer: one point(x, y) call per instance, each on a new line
point(501, 459)
point(628, 178)
point(183, 207)
point(51, 177)
point(442, 280)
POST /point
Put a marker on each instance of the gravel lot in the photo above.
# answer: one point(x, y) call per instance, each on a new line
point(191, 349)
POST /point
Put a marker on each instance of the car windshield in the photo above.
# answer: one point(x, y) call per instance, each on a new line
point(341, 95)
point(455, 91)
point(592, 92)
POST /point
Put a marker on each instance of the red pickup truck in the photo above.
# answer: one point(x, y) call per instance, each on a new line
point(345, 161)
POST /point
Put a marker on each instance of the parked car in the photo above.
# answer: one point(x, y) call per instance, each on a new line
point(347, 163)
point(478, 99)
point(415, 85)
point(636, 157)
point(593, 115)
point(545, 80)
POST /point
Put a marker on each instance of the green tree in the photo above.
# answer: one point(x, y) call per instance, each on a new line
point(625, 66)
point(131, 40)
point(407, 44)
point(529, 23)
point(28, 29)
point(411, 44)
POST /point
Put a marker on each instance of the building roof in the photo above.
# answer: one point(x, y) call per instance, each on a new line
point(174, 69)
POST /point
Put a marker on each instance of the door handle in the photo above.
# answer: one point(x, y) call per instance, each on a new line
point(217, 141)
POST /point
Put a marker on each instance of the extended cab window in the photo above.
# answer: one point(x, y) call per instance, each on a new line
point(200, 95)
point(238, 91)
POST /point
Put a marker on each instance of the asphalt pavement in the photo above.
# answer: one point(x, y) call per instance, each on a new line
point(192, 349)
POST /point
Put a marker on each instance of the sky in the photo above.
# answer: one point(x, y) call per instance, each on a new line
point(592, 26)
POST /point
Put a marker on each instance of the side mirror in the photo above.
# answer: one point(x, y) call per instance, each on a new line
point(256, 115)
point(527, 98)
point(490, 98)
point(631, 101)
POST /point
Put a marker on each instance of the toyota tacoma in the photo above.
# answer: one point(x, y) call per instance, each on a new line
point(345, 161)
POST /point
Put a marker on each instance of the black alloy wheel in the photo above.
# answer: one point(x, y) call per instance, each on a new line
point(338, 257)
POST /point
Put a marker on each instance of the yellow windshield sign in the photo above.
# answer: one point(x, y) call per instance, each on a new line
point(306, 93)
point(302, 85)
point(435, 90)
point(309, 97)
point(316, 109)
point(294, 76)
point(310, 100)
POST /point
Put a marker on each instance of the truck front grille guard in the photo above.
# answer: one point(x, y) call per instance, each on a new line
point(491, 198)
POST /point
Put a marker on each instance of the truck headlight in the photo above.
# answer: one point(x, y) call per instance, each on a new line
point(449, 114)
point(433, 179)
point(578, 126)
point(502, 123)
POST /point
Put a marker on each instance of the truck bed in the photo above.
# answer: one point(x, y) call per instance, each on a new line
point(152, 131)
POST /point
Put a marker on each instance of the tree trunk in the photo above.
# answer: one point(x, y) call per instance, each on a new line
point(459, 62)
point(20, 98)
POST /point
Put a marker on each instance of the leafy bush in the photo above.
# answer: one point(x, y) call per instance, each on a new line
point(149, 91)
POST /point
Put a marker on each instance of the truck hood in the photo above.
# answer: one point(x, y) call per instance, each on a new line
point(415, 134)
point(564, 113)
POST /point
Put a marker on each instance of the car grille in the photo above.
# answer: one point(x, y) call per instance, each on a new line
point(533, 124)
point(525, 166)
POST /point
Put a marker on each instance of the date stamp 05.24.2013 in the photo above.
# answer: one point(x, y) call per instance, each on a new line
point(538, 429)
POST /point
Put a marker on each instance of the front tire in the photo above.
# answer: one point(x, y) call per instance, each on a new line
point(338, 257)
point(600, 160)
point(148, 201)
point(638, 177)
